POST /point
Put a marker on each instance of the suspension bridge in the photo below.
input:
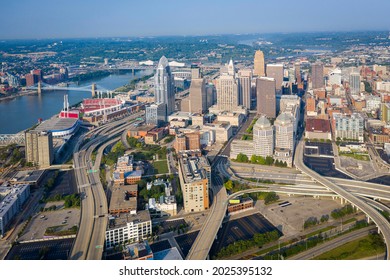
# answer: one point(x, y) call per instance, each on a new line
point(95, 89)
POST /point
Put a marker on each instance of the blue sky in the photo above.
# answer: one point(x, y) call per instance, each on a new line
point(109, 18)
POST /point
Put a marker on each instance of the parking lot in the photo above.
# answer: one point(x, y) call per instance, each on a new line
point(64, 184)
point(318, 148)
point(36, 228)
point(44, 250)
point(243, 228)
point(185, 242)
point(290, 219)
point(324, 166)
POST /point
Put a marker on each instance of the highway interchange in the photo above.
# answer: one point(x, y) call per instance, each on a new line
point(89, 243)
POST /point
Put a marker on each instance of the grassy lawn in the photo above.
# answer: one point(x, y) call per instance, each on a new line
point(250, 128)
point(247, 137)
point(160, 167)
point(357, 249)
point(319, 231)
point(356, 156)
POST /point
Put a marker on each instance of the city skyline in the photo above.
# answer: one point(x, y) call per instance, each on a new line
point(45, 19)
point(177, 130)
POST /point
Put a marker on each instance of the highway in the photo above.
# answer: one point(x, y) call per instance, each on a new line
point(372, 213)
point(375, 191)
point(332, 244)
point(89, 241)
point(200, 248)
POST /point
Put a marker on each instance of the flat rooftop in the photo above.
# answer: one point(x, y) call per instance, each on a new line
point(125, 218)
point(55, 124)
point(121, 198)
point(168, 254)
point(193, 168)
point(28, 176)
point(11, 198)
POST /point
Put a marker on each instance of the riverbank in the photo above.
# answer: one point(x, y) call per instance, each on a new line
point(18, 94)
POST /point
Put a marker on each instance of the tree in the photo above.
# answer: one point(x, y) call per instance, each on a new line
point(270, 197)
point(269, 160)
point(132, 142)
point(261, 160)
point(229, 185)
point(253, 159)
point(242, 158)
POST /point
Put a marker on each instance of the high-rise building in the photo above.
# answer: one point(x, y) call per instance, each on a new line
point(276, 71)
point(195, 72)
point(31, 80)
point(354, 83)
point(385, 112)
point(349, 127)
point(227, 90)
point(39, 148)
point(211, 95)
point(244, 81)
point(284, 132)
point(259, 66)
point(38, 73)
point(263, 137)
point(193, 140)
point(195, 180)
point(155, 114)
point(335, 77)
point(266, 97)
point(317, 75)
point(298, 75)
point(164, 87)
point(198, 98)
point(180, 143)
point(187, 141)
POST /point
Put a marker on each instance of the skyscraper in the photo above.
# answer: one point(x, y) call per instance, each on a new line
point(266, 97)
point(284, 132)
point(298, 76)
point(244, 81)
point(259, 67)
point(164, 87)
point(227, 90)
point(354, 83)
point(317, 75)
point(198, 98)
point(263, 137)
point(276, 71)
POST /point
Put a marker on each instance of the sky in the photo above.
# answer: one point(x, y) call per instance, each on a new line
point(38, 19)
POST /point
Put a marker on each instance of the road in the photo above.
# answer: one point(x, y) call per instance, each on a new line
point(89, 241)
point(332, 244)
point(372, 213)
point(201, 247)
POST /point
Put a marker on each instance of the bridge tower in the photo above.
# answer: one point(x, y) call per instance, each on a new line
point(93, 90)
point(39, 88)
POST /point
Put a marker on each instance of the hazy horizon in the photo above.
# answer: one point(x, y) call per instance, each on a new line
point(46, 19)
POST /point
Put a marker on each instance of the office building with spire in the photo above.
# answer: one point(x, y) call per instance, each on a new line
point(227, 90)
point(164, 90)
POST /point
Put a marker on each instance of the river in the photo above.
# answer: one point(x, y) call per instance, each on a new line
point(24, 111)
